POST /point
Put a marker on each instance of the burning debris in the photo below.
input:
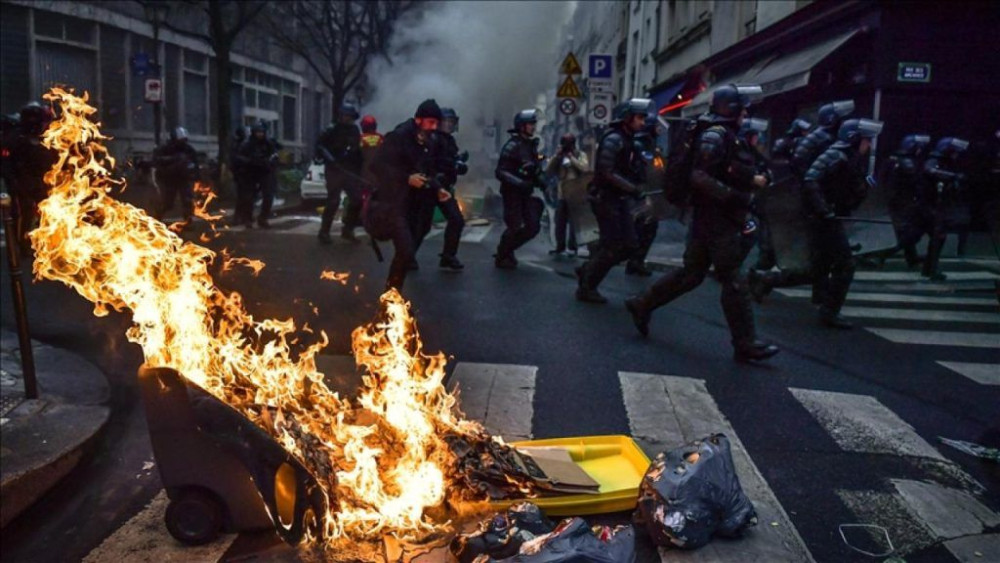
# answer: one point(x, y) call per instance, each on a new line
point(382, 463)
point(339, 277)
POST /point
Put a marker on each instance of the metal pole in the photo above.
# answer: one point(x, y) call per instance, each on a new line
point(156, 104)
point(20, 307)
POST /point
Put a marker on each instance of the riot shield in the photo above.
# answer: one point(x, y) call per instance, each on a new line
point(780, 204)
point(580, 213)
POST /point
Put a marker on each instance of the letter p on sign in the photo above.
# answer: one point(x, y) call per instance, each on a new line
point(599, 66)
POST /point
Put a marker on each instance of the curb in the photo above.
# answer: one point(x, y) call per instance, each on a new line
point(44, 439)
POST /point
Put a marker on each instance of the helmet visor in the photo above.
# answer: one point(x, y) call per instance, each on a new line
point(756, 124)
point(749, 94)
point(959, 145)
point(869, 128)
point(921, 140)
point(843, 108)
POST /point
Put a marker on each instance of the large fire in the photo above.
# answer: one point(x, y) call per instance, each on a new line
point(382, 460)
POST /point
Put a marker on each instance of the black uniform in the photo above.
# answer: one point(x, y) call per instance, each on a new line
point(518, 172)
point(339, 147)
point(645, 227)
point(257, 161)
point(834, 186)
point(811, 146)
point(910, 217)
point(449, 168)
point(24, 170)
point(722, 182)
point(176, 164)
point(944, 198)
point(387, 215)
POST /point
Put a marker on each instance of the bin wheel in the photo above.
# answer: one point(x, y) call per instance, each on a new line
point(194, 517)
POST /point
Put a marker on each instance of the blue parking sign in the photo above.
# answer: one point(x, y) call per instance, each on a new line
point(600, 66)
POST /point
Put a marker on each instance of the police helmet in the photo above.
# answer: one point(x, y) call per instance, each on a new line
point(349, 110)
point(951, 146)
point(35, 117)
point(179, 134)
point(525, 116)
point(831, 114)
point(260, 125)
point(798, 127)
point(753, 125)
point(449, 113)
point(914, 144)
point(729, 100)
point(240, 133)
point(853, 130)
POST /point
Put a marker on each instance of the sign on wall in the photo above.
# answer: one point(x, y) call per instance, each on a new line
point(914, 72)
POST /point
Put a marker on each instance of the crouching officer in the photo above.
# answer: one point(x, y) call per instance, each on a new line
point(519, 172)
point(835, 185)
point(723, 186)
point(904, 179)
point(176, 166)
point(396, 173)
point(785, 146)
point(809, 147)
point(618, 177)
point(944, 198)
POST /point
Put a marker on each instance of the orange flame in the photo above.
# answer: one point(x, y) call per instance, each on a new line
point(330, 275)
point(382, 461)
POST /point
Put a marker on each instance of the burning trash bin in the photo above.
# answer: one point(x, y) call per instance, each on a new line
point(221, 472)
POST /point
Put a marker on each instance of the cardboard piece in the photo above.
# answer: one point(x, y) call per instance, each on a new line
point(559, 472)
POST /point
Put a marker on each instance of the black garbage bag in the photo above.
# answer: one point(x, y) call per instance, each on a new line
point(692, 492)
point(574, 541)
point(502, 535)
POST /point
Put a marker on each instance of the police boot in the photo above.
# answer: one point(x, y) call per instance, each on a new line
point(754, 351)
point(833, 319)
point(324, 238)
point(912, 258)
point(931, 270)
point(637, 268)
point(451, 263)
point(507, 262)
point(641, 315)
point(263, 223)
point(584, 291)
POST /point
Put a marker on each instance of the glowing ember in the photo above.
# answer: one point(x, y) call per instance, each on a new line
point(330, 275)
point(382, 462)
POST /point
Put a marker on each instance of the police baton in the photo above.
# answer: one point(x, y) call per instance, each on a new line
point(864, 220)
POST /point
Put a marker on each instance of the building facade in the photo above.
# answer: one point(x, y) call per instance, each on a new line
point(104, 49)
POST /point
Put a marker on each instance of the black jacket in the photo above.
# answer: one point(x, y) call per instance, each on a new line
point(618, 166)
point(811, 146)
point(519, 166)
point(723, 171)
point(176, 161)
point(835, 183)
point(257, 155)
point(445, 150)
point(905, 178)
point(340, 144)
point(943, 182)
point(399, 156)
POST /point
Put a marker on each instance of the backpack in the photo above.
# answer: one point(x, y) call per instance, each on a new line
point(680, 163)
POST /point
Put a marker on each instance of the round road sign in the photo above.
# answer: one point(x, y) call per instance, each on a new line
point(600, 111)
point(567, 106)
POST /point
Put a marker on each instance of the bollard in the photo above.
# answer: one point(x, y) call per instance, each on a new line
point(20, 308)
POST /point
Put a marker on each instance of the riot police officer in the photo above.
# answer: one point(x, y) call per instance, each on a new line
point(239, 136)
point(723, 190)
point(176, 164)
point(944, 195)
point(396, 171)
point(830, 117)
point(785, 146)
point(646, 226)
point(756, 230)
point(258, 161)
point(450, 165)
point(26, 166)
point(339, 149)
point(519, 172)
point(618, 177)
point(834, 186)
point(904, 179)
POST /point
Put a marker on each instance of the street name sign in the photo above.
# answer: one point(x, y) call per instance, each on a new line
point(914, 72)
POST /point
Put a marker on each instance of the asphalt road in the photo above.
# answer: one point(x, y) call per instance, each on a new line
point(529, 317)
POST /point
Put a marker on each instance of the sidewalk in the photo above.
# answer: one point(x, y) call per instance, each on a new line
point(43, 439)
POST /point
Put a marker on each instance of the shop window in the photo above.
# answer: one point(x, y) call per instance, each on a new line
point(64, 28)
point(195, 103)
point(60, 64)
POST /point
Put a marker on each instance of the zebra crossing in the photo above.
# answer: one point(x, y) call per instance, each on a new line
point(298, 224)
point(954, 315)
point(667, 410)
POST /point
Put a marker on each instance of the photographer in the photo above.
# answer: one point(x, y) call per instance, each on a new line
point(568, 164)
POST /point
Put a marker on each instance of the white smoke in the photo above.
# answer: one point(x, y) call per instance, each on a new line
point(487, 60)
